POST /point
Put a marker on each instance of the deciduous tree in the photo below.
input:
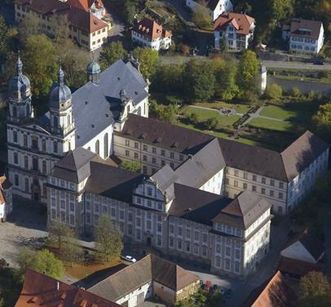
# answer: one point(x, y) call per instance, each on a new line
point(248, 71)
point(148, 60)
point(41, 261)
point(108, 239)
point(111, 53)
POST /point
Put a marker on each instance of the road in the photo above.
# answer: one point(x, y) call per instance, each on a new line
point(295, 65)
point(28, 222)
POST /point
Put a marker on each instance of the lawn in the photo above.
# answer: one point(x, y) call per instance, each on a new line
point(278, 113)
point(203, 115)
point(240, 108)
point(270, 124)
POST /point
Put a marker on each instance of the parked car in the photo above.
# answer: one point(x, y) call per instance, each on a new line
point(129, 258)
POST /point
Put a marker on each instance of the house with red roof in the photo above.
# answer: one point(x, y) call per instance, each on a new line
point(234, 30)
point(87, 20)
point(149, 33)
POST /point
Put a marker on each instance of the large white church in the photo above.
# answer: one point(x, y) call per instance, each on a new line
point(86, 118)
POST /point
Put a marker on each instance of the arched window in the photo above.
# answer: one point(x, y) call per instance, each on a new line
point(25, 140)
point(105, 144)
point(44, 167)
point(97, 146)
point(26, 162)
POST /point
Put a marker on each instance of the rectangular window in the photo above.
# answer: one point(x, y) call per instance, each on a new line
point(263, 180)
point(162, 152)
point(15, 136)
point(55, 147)
point(149, 191)
point(245, 186)
point(272, 182)
point(263, 191)
point(236, 173)
point(136, 155)
point(127, 143)
point(127, 153)
point(144, 158)
point(15, 158)
point(153, 150)
point(136, 145)
point(172, 155)
point(281, 185)
point(245, 175)
point(144, 147)
point(236, 183)
point(271, 193)
point(280, 195)
point(254, 188)
point(254, 177)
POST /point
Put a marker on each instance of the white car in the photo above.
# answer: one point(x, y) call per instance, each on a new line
point(129, 258)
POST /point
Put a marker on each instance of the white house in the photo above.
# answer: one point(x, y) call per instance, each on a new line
point(304, 36)
point(234, 30)
point(215, 7)
point(149, 33)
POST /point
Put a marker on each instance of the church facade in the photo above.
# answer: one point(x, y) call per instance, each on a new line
point(85, 119)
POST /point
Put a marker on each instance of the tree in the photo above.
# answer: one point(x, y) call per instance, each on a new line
point(201, 17)
point(322, 120)
point(132, 166)
point(314, 290)
point(4, 35)
point(40, 63)
point(295, 92)
point(27, 27)
point(63, 238)
point(248, 71)
point(199, 80)
point(41, 261)
point(108, 239)
point(148, 60)
point(280, 9)
point(163, 112)
point(211, 123)
point(274, 91)
point(111, 53)
point(226, 87)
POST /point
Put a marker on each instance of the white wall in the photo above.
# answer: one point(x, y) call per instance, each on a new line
point(132, 298)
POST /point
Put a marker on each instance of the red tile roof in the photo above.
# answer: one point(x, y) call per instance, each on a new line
point(276, 293)
point(241, 22)
point(85, 4)
point(41, 290)
point(297, 268)
point(151, 29)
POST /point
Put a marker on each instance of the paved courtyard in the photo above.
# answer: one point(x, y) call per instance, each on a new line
point(26, 224)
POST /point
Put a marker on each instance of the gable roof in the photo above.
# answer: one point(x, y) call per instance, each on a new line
point(298, 268)
point(166, 135)
point(75, 166)
point(205, 164)
point(148, 269)
point(305, 28)
point(96, 106)
point(241, 22)
point(85, 20)
point(244, 210)
point(41, 290)
point(196, 205)
point(313, 245)
point(301, 153)
point(83, 4)
point(276, 293)
point(151, 29)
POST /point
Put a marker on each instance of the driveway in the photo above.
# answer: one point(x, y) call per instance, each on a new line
point(26, 224)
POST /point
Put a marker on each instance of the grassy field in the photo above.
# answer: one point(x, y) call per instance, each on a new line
point(240, 108)
point(270, 124)
point(278, 113)
point(203, 115)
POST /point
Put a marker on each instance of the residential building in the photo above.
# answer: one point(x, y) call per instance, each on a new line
point(87, 22)
point(284, 178)
point(233, 31)
point(304, 36)
point(149, 33)
point(6, 201)
point(230, 236)
point(41, 290)
point(85, 118)
point(149, 277)
point(214, 7)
